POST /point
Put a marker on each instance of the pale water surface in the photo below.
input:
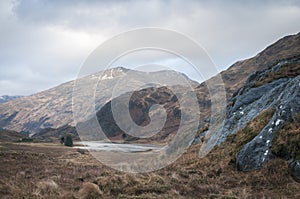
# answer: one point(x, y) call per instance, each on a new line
point(106, 146)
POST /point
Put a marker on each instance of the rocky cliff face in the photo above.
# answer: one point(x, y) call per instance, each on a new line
point(265, 89)
point(283, 95)
point(236, 75)
point(275, 91)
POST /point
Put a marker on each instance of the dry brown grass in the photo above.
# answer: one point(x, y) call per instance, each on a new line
point(287, 140)
point(89, 191)
point(46, 187)
point(214, 176)
point(252, 129)
point(286, 71)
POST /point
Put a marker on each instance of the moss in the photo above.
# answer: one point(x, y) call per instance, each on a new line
point(250, 131)
point(286, 143)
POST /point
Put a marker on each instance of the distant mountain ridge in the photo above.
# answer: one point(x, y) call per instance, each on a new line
point(52, 109)
point(6, 98)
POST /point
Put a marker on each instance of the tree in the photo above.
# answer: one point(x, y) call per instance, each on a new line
point(62, 139)
point(68, 141)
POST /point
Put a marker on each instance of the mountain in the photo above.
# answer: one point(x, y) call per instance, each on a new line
point(6, 98)
point(277, 89)
point(234, 78)
point(7, 135)
point(52, 109)
point(262, 119)
point(237, 74)
point(262, 114)
point(139, 107)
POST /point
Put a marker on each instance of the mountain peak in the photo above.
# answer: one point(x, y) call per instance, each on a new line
point(53, 108)
point(112, 73)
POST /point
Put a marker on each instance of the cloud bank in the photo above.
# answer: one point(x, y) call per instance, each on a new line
point(44, 43)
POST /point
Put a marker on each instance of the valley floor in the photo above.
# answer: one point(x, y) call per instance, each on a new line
point(34, 170)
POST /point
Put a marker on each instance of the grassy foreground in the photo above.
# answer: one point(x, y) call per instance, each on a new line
point(53, 171)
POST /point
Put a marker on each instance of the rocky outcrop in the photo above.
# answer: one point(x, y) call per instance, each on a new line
point(265, 89)
point(287, 102)
point(294, 167)
point(277, 88)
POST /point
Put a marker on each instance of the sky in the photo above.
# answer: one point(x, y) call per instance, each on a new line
point(44, 43)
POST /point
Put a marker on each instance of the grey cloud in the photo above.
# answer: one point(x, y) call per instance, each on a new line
point(47, 41)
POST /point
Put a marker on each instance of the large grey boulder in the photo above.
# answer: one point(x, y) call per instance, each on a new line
point(294, 167)
point(255, 153)
point(281, 94)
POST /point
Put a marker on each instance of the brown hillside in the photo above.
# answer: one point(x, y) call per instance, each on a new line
point(236, 75)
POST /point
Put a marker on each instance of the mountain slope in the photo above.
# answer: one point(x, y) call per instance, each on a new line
point(235, 77)
point(237, 74)
point(6, 98)
point(262, 119)
point(140, 103)
point(52, 109)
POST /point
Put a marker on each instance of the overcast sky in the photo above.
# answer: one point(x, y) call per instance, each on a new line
point(44, 43)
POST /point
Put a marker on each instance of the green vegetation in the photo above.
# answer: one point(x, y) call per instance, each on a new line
point(252, 129)
point(68, 141)
point(62, 139)
point(25, 140)
point(286, 143)
point(25, 133)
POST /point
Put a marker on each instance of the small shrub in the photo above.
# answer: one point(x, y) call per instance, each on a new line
point(46, 187)
point(89, 191)
point(68, 141)
point(25, 140)
point(62, 139)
